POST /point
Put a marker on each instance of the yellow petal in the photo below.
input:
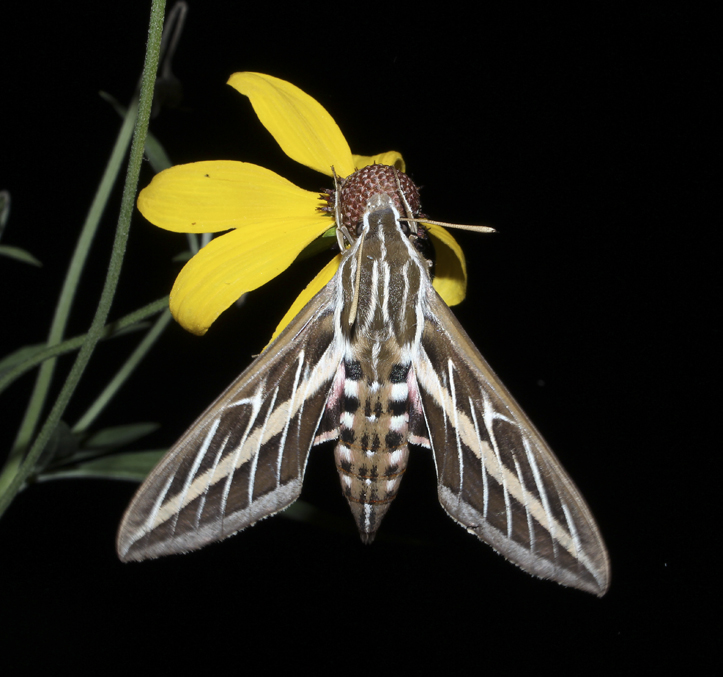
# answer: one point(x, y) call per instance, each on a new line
point(313, 288)
point(235, 263)
point(208, 197)
point(450, 269)
point(391, 158)
point(300, 124)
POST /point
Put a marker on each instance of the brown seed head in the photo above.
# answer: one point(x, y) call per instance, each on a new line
point(357, 188)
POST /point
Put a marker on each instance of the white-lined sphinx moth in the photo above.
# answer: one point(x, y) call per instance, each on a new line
point(376, 361)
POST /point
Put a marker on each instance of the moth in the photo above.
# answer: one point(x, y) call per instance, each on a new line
point(376, 361)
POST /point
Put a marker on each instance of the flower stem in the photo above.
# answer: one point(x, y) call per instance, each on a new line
point(70, 285)
point(15, 472)
point(123, 373)
point(69, 345)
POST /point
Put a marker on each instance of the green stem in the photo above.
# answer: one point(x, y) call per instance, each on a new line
point(62, 310)
point(123, 373)
point(69, 345)
point(14, 474)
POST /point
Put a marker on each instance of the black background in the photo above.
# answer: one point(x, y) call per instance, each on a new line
point(583, 136)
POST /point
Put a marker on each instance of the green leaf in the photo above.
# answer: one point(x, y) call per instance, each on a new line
point(131, 329)
point(133, 466)
point(321, 244)
point(61, 446)
point(18, 254)
point(119, 436)
point(4, 209)
point(155, 152)
point(183, 256)
point(19, 356)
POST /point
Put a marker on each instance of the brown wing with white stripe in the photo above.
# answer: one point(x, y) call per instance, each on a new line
point(244, 458)
point(497, 476)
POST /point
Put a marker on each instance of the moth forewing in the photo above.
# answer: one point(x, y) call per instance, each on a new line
point(497, 476)
point(244, 458)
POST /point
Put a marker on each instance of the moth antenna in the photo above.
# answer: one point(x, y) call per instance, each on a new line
point(341, 230)
point(458, 226)
point(357, 282)
point(342, 233)
point(407, 207)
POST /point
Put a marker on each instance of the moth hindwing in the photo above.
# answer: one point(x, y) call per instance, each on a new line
point(375, 361)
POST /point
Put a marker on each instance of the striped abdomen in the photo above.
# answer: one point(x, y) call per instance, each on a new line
point(372, 453)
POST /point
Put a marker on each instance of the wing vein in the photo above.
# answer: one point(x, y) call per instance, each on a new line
point(483, 467)
point(257, 453)
point(255, 402)
point(460, 456)
point(191, 476)
point(292, 402)
point(488, 416)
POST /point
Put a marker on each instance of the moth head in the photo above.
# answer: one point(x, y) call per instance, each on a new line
point(349, 200)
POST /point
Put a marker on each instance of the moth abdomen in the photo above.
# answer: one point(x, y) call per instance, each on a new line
point(370, 482)
point(372, 453)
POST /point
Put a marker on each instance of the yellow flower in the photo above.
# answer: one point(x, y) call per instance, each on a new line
point(269, 219)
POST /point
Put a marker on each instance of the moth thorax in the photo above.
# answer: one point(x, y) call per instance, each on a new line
point(356, 189)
